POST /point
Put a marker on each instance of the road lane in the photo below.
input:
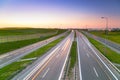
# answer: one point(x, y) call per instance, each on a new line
point(53, 66)
point(91, 67)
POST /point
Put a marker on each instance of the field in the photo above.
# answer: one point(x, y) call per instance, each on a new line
point(113, 36)
point(10, 46)
point(9, 32)
point(10, 35)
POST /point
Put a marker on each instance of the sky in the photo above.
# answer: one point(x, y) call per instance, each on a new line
point(59, 13)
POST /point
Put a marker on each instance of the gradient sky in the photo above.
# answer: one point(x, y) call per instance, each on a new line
point(59, 13)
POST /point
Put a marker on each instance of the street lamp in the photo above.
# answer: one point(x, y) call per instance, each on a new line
point(106, 18)
point(106, 32)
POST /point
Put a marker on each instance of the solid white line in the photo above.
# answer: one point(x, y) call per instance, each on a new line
point(64, 65)
point(95, 71)
point(88, 43)
point(79, 60)
point(45, 73)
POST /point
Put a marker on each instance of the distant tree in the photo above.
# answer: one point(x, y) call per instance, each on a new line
point(115, 29)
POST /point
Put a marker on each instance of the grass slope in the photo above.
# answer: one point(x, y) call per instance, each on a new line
point(10, 46)
point(7, 32)
point(113, 36)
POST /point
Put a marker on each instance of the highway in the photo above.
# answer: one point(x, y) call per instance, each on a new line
point(51, 65)
point(92, 66)
point(13, 56)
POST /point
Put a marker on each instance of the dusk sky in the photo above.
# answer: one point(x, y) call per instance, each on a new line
point(59, 13)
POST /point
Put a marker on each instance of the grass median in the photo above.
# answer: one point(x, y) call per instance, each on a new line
point(9, 71)
point(107, 52)
point(10, 46)
point(73, 55)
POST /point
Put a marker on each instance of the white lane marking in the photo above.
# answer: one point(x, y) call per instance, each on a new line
point(79, 60)
point(88, 55)
point(88, 43)
point(95, 71)
point(64, 64)
point(45, 73)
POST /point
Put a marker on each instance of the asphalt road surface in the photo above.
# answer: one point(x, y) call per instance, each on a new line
point(13, 56)
point(51, 65)
point(91, 64)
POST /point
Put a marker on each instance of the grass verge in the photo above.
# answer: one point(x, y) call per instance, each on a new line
point(73, 54)
point(11, 70)
point(10, 46)
point(113, 36)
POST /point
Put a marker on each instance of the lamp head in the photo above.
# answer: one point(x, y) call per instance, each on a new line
point(102, 17)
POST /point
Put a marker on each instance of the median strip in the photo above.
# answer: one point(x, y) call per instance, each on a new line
point(72, 60)
point(73, 54)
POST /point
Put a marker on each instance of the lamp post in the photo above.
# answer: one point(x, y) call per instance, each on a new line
point(106, 30)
